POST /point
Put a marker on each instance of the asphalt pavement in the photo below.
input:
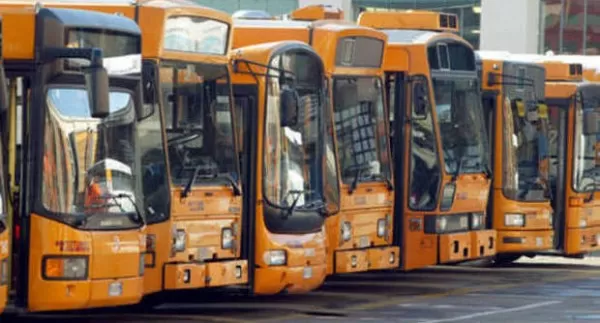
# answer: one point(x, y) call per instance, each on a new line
point(543, 289)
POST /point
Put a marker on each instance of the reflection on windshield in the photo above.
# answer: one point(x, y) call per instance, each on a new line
point(87, 162)
point(199, 123)
point(586, 172)
point(460, 118)
point(361, 129)
point(525, 152)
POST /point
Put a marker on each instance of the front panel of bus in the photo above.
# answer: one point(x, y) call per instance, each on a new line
point(359, 234)
point(574, 169)
point(520, 200)
point(445, 198)
point(290, 169)
point(78, 229)
point(199, 169)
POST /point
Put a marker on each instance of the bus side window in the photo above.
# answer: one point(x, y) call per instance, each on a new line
point(424, 162)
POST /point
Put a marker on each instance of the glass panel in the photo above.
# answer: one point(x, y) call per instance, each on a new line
point(551, 23)
point(593, 28)
point(361, 129)
point(460, 119)
point(89, 163)
point(198, 121)
point(586, 173)
point(573, 27)
point(424, 162)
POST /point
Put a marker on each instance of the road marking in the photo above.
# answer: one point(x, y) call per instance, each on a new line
point(488, 313)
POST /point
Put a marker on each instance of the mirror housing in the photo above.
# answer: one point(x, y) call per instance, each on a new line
point(289, 107)
point(149, 91)
point(591, 122)
point(96, 81)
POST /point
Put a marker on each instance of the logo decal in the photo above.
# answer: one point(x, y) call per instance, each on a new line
point(116, 244)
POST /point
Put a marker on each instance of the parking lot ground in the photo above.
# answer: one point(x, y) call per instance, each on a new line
point(543, 289)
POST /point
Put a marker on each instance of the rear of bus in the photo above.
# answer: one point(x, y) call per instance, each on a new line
point(288, 164)
point(443, 161)
point(79, 234)
point(517, 122)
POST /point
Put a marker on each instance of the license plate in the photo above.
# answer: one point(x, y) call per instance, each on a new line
point(539, 241)
point(115, 289)
point(363, 242)
point(307, 272)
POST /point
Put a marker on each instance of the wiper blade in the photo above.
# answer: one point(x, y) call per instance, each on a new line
point(188, 186)
point(138, 214)
point(388, 182)
point(357, 172)
point(458, 169)
point(298, 194)
point(237, 191)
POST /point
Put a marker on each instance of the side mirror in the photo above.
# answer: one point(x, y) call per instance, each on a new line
point(289, 107)
point(591, 120)
point(420, 101)
point(149, 91)
point(96, 79)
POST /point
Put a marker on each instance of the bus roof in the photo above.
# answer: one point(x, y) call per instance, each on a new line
point(19, 26)
point(503, 56)
point(194, 32)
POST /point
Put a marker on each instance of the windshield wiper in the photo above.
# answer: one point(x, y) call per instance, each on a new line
point(138, 214)
point(188, 186)
point(357, 172)
point(237, 191)
point(379, 176)
point(298, 193)
point(458, 169)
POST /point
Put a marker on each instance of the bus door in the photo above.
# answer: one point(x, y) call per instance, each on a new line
point(557, 150)
point(247, 138)
point(395, 87)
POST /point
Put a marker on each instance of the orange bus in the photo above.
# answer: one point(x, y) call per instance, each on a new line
point(360, 236)
point(289, 169)
point(74, 88)
point(439, 142)
point(191, 181)
point(517, 122)
point(574, 113)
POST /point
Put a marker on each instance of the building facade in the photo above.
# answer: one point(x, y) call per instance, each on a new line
point(521, 26)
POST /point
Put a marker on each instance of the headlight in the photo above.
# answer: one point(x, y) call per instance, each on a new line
point(66, 268)
point(582, 223)
point(381, 227)
point(275, 257)
point(346, 231)
point(142, 264)
point(4, 272)
point(476, 221)
point(447, 196)
point(442, 224)
point(179, 240)
point(514, 220)
point(227, 238)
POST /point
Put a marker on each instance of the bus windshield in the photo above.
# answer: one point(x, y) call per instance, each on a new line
point(360, 124)
point(525, 153)
point(295, 164)
point(460, 118)
point(198, 118)
point(89, 163)
point(586, 170)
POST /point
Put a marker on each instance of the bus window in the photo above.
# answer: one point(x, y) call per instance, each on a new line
point(424, 162)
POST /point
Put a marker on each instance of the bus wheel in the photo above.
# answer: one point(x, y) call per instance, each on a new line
point(505, 260)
